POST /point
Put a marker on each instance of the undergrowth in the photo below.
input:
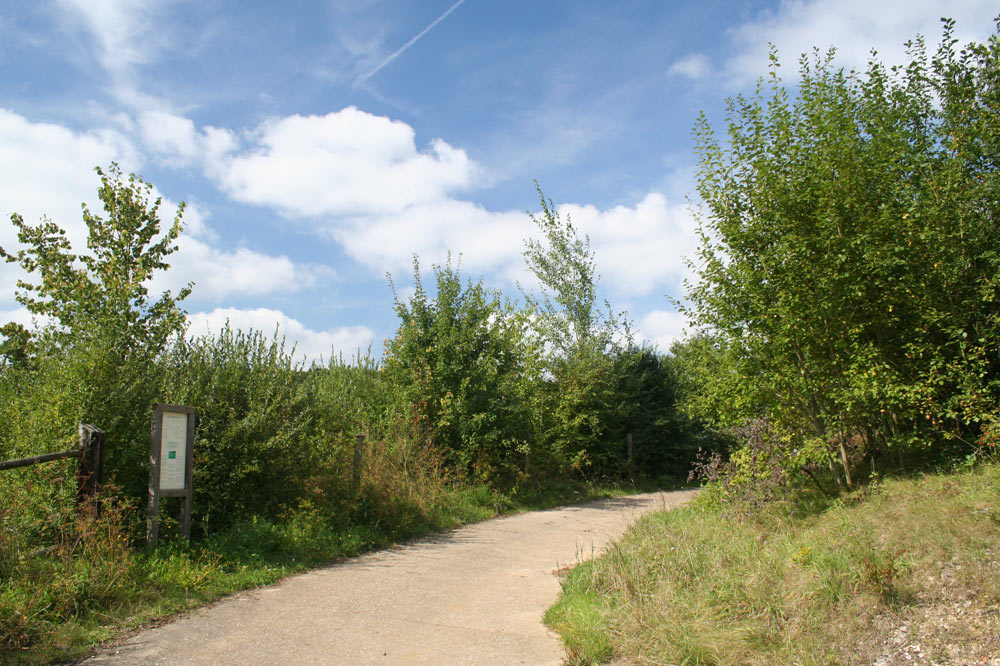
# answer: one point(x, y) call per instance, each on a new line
point(798, 582)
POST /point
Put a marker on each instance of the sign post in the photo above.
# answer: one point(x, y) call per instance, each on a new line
point(170, 459)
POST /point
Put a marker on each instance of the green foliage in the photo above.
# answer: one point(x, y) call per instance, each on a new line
point(350, 398)
point(599, 389)
point(574, 407)
point(565, 267)
point(711, 384)
point(463, 363)
point(849, 253)
point(104, 291)
point(254, 425)
point(578, 618)
point(644, 406)
point(596, 400)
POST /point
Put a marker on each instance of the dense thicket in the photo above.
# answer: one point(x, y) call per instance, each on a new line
point(849, 266)
point(472, 388)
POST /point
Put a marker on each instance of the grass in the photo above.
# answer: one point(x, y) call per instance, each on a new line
point(98, 581)
point(804, 582)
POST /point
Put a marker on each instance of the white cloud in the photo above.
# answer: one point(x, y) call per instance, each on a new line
point(360, 179)
point(170, 135)
point(216, 143)
point(854, 27)
point(48, 170)
point(693, 66)
point(487, 241)
point(662, 328)
point(642, 248)
point(310, 346)
point(22, 317)
point(125, 32)
point(175, 140)
point(347, 162)
point(218, 274)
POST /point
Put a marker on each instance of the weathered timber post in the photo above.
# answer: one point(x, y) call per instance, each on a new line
point(90, 474)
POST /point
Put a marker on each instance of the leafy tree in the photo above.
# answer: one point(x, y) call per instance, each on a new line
point(105, 288)
point(564, 265)
point(600, 389)
point(574, 412)
point(256, 424)
point(710, 382)
point(849, 254)
point(645, 410)
point(95, 359)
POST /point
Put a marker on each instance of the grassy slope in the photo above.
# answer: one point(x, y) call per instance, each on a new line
point(907, 569)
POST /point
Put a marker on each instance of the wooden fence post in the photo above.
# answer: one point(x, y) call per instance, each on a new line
point(90, 474)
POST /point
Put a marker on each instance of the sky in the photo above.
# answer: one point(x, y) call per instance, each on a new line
point(320, 145)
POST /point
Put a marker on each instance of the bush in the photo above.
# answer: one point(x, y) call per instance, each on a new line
point(256, 441)
point(463, 365)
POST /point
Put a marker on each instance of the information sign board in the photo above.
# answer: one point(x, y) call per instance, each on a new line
point(173, 451)
point(170, 462)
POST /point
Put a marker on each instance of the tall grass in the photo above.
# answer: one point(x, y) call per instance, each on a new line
point(798, 583)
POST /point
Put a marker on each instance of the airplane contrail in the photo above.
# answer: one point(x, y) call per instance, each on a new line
point(401, 49)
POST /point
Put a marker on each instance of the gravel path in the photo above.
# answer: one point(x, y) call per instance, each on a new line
point(471, 596)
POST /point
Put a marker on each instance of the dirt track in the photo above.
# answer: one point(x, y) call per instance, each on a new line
point(472, 596)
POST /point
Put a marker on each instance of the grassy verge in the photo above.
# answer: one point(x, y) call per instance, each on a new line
point(96, 582)
point(906, 569)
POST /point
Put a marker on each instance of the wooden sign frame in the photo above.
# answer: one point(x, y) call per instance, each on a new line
point(171, 451)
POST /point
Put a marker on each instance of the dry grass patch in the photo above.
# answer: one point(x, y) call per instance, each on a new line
point(835, 585)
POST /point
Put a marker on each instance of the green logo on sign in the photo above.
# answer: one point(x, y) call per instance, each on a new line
point(172, 454)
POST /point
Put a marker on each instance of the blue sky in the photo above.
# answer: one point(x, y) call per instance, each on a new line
point(319, 145)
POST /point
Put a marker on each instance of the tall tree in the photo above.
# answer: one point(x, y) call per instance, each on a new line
point(106, 287)
point(95, 359)
point(580, 407)
point(564, 265)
